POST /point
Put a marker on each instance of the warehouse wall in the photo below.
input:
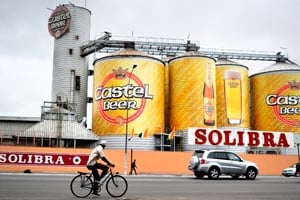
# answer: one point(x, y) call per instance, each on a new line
point(148, 162)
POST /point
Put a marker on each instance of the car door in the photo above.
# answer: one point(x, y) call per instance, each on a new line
point(223, 161)
point(236, 163)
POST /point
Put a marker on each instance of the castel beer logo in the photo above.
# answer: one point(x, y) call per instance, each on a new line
point(121, 97)
point(59, 21)
point(286, 103)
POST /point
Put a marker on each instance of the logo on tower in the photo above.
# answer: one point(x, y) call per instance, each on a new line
point(286, 103)
point(59, 21)
point(120, 101)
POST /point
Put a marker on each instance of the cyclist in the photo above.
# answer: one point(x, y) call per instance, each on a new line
point(92, 164)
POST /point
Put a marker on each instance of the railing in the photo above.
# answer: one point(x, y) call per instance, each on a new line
point(173, 47)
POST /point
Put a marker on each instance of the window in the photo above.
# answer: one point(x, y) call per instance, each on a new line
point(233, 157)
point(211, 155)
point(221, 155)
point(199, 154)
point(77, 82)
point(218, 155)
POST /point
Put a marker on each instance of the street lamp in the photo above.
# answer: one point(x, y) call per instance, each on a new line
point(126, 134)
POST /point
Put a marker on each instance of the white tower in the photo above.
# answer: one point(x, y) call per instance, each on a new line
point(70, 27)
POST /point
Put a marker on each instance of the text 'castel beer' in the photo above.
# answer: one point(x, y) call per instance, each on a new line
point(208, 98)
point(108, 94)
point(127, 99)
point(277, 96)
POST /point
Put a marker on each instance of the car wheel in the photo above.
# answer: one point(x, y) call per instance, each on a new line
point(199, 174)
point(213, 173)
point(251, 173)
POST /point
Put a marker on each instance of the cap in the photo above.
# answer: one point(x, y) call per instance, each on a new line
point(102, 142)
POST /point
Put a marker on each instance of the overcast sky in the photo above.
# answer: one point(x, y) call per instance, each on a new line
point(26, 47)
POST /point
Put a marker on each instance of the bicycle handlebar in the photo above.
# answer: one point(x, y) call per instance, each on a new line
point(110, 166)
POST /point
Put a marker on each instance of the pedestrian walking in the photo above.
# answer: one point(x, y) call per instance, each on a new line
point(133, 167)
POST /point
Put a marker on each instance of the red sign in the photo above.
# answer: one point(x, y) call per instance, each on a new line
point(32, 158)
point(59, 21)
point(235, 137)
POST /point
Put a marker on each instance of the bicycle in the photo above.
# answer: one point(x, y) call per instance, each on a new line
point(82, 184)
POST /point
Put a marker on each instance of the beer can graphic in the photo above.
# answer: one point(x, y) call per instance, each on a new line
point(192, 91)
point(128, 91)
point(275, 94)
point(232, 94)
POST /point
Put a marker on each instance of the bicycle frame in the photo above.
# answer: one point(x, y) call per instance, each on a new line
point(82, 185)
point(105, 178)
point(102, 181)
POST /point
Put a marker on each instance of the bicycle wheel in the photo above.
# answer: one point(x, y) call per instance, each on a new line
point(116, 186)
point(81, 186)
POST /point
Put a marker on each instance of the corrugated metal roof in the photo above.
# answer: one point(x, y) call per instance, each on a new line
point(128, 52)
point(19, 118)
point(50, 129)
point(193, 53)
point(224, 61)
point(280, 66)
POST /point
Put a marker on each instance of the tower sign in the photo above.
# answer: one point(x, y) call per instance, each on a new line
point(59, 21)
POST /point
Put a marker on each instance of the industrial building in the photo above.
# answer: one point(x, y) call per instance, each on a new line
point(148, 92)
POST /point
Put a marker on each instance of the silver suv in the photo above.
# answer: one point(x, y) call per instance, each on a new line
point(214, 163)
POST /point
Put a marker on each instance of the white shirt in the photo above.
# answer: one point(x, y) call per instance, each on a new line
point(95, 155)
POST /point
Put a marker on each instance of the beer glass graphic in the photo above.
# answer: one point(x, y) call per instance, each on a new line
point(233, 96)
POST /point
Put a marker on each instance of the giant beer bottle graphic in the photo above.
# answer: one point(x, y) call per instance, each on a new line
point(208, 98)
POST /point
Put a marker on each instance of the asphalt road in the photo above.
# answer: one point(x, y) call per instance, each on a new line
point(147, 187)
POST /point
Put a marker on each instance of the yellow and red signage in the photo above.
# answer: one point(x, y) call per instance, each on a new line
point(123, 95)
point(276, 102)
point(232, 96)
point(188, 106)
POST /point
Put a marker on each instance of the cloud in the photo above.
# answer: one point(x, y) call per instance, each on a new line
point(26, 51)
